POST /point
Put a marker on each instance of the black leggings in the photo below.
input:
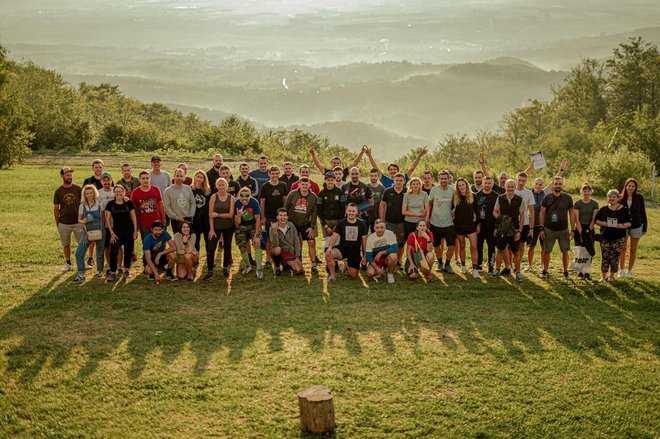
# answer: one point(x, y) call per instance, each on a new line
point(227, 235)
point(201, 230)
point(124, 239)
point(487, 236)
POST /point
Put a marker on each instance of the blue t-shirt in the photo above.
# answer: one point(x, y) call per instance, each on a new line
point(250, 212)
point(387, 182)
point(261, 177)
point(154, 245)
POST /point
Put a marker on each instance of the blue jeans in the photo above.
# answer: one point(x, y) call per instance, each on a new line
point(81, 251)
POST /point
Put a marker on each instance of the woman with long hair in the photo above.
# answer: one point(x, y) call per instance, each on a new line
point(90, 215)
point(614, 221)
point(419, 247)
point(221, 216)
point(186, 253)
point(634, 201)
point(415, 206)
point(202, 192)
point(464, 211)
point(122, 226)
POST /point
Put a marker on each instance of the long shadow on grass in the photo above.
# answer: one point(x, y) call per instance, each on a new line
point(138, 324)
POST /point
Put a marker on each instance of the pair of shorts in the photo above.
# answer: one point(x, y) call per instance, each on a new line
point(399, 232)
point(551, 236)
point(382, 261)
point(502, 242)
point(65, 231)
point(302, 232)
point(162, 262)
point(331, 224)
point(353, 259)
point(535, 239)
point(465, 231)
point(636, 233)
point(448, 233)
point(244, 234)
point(524, 235)
point(408, 228)
point(286, 257)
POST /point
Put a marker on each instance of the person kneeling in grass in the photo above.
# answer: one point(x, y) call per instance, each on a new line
point(420, 247)
point(381, 252)
point(285, 244)
point(186, 252)
point(157, 255)
point(247, 217)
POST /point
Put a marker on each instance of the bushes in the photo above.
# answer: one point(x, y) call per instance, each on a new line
point(609, 169)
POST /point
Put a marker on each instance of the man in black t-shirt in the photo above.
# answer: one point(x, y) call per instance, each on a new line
point(95, 179)
point(390, 211)
point(244, 179)
point(272, 195)
point(485, 200)
point(556, 212)
point(359, 194)
point(509, 219)
point(331, 205)
point(349, 241)
point(232, 186)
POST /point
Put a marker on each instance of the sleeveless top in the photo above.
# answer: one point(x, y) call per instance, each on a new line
point(222, 207)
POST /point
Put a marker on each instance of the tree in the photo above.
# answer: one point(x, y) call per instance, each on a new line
point(581, 98)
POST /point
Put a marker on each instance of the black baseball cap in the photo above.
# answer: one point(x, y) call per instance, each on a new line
point(330, 175)
point(157, 224)
point(65, 169)
point(155, 159)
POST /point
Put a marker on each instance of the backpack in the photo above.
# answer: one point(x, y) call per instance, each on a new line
point(505, 226)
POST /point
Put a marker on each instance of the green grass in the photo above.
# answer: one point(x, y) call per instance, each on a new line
point(453, 358)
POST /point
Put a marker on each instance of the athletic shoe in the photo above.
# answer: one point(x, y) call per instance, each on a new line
point(67, 267)
point(629, 275)
point(278, 271)
point(126, 274)
point(170, 277)
point(151, 277)
point(495, 273)
point(440, 268)
point(208, 276)
point(315, 270)
point(267, 265)
point(580, 275)
point(463, 269)
point(120, 270)
point(566, 276)
point(111, 278)
point(587, 276)
point(78, 279)
point(90, 263)
point(390, 278)
point(622, 274)
point(99, 275)
point(490, 269)
point(544, 274)
point(260, 273)
point(448, 269)
point(247, 269)
point(519, 277)
point(107, 272)
point(475, 273)
point(506, 272)
point(528, 269)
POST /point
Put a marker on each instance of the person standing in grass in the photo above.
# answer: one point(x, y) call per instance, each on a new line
point(90, 215)
point(262, 173)
point(285, 244)
point(272, 195)
point(464, 211)
point(509, 213)
point(486, 199)
point(417, 251)
point(359, 193)
point(634, 201)
point(186, 180)
point(331, 205)
point(244, 179)
point(428, 181)
point(148, 204)
point(179, 201)
point(160, 179)
point(301, 208)
point(615, 221)
point(233, 186)
point(540, 191)
point(123, 230)
point(248, 229)
point(187, 256)
point(66, 203)
point(381, 252)
point(377, 190)
point(557, 211)
point(348, 241)
point(415, 206)
point(585, 212)
point(221, 216)
point(202, 193)
point(441, 223)
point(159, 253)
point(391, 211)
point(97, 168)
point(214, 173)
point(129, 182)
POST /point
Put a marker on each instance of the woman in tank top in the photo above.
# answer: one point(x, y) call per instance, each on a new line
point(221, 219)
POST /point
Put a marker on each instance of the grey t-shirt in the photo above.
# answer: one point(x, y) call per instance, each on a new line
point(528, 200)
point(414, 203)
point(179, 202)
point(441, 202)
point(162, 181)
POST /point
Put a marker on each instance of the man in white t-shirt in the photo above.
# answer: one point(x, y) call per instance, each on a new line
point(528, 204)
point(441, 222)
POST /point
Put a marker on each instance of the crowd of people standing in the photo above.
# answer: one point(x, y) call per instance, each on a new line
point(390, 222)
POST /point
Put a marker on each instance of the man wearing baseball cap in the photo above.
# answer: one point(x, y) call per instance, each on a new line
point(159, 252)
point(66, 202)
point(159, 178)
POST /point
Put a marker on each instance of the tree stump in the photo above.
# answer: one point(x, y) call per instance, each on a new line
point(317, 413)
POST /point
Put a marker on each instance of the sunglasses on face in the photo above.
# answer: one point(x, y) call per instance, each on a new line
point(244, 196)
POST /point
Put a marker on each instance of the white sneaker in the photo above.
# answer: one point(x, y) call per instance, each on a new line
point(622, 274)
point(463, 269)
point(67, 267)
point(390, 278)
point(247, 269)
point(475, 273)
point(528, 269)
point(629, 274)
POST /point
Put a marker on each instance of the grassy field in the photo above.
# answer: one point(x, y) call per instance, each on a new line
point(453, 358)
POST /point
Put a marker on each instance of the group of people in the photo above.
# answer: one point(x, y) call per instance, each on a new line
point(391, 222)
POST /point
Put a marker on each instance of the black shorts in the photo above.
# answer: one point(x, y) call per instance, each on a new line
point(448, 233)
point(535, 239)
point(302, 231)
point(408, 228)
point(162, 262)
point(524, 235)
point(503, 242)
point(353, 259)
point(464, 231)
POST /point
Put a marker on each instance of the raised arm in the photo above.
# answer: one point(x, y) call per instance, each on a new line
point(373, 162)
point(358, 158)
point(482, 164)
point(412, 167)
point(315, 159)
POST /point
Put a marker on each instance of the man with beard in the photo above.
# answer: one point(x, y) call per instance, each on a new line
point(301, 210)
point(289, 178)
point(478, 177)
point(391, 212)
point(485, 200)
point(349, 241)
point(359, 194)
point(66, 202)
point(157, 255)
point(148, 203)
point(381, 251)
point(427, 182)
point(556, 211)
point(129, 182)
point(214, 173)
point(244, 179)
point(272, 195)
point(179, 201)
point(509, 213)
point(305, 172)
point(377, 190)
